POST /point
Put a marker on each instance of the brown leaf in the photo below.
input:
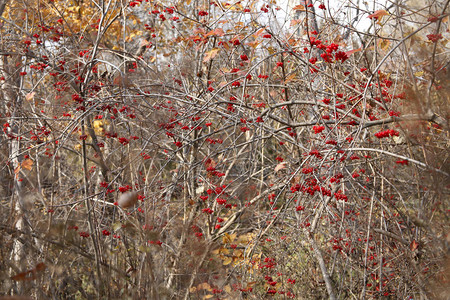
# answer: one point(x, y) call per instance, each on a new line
point(40, 267)
point(27, 163)
point(24, 276)
point(299, 7)
point(414, 245)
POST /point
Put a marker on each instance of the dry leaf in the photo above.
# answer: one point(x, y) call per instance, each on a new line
point(259, 32)
point(290, 78)
point(352, 51)
point(204, 286)
point(271, 50)
point(299, 7)
point(24, 276)
point(384, 44)
point(144, 43)
point(378, 15)
point(30, 274)
point(254, 44)
point(280, 166)
point(27, 163)
point(218, 32)
point(227, 261)
point(414, 245)
point(16, 171)
point(211, 54)
point(295, 22)
point(30, 96)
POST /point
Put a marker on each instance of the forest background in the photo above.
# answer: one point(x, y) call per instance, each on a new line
point(215, 150)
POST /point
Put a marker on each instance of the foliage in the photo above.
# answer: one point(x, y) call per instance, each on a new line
point(305, 159)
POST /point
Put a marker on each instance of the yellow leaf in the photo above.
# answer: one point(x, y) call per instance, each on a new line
point(228, 238)
point(384, 44)
point(418, 74)
point(208, 296)
point(27, 163)
point(238, 254)
point(204, 286)
point(227, 261)
point(97, 124)
point(271, 50)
